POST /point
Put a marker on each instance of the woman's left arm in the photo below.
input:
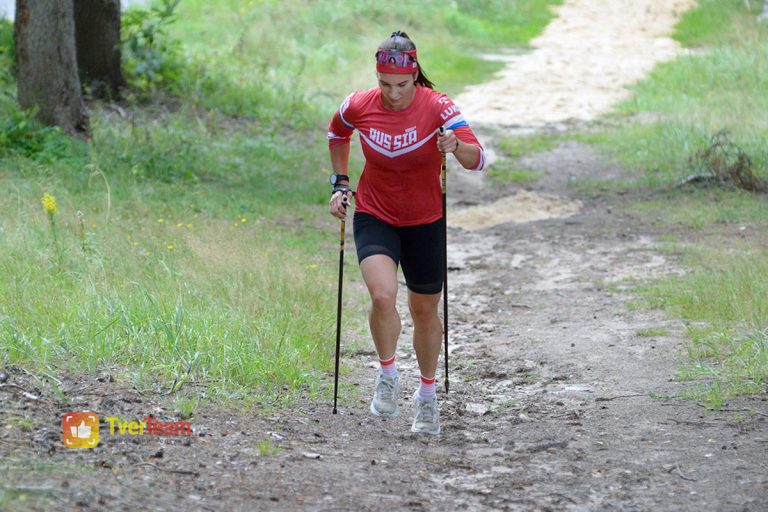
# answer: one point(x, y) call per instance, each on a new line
point(468, 154)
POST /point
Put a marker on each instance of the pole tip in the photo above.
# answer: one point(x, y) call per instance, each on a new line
point(335, 411)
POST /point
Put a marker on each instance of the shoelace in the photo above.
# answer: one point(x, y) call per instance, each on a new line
point(426, 408)
point(389, 389)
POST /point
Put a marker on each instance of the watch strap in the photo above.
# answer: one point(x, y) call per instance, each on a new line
point(336, 178)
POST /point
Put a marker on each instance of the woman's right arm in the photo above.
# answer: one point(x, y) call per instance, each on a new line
point(339, 134)
point(339, 164)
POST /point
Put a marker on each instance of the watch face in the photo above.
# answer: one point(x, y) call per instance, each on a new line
point(332, 178)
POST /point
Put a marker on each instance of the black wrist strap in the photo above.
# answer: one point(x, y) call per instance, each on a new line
point(342, 188)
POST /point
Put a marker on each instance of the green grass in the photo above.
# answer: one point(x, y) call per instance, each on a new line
point(703, 25)
point(525, 145)
point(505, 172)
point(652, 332)
point(699, 209)
point(724, 298)
point(508, 169)
point(325, 49)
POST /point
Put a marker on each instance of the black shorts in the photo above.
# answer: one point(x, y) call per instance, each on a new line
point(417, 249)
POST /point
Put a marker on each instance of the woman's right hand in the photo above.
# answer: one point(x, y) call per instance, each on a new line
point(338, 204)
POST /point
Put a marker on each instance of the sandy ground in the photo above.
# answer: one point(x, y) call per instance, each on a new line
point(562, 396)
point(581, 64)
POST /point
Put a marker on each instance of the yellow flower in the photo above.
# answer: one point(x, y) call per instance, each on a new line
point(160, 221)
point(170, 247)
point(49, 204)
point(179, 225)
point(189, 226)
point(243, 220)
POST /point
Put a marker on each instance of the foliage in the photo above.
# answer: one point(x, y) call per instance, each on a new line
point(22, 135)
point(7, 54)
point(151, 58)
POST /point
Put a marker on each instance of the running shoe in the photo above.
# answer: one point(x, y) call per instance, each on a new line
point(384, 401)
point(426, 419)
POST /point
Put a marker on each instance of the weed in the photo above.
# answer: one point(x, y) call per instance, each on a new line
point(266, 449)
point(652, 332)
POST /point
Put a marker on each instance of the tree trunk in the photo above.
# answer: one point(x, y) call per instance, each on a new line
point(97, 39)
point(44, 31)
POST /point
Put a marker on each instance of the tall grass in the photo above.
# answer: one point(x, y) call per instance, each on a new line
point(323, 50)
point(163, 296)
point(718, 22)
point(725, 300)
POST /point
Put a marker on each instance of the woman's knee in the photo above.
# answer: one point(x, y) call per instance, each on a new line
point(423, 307)
point(383, 300)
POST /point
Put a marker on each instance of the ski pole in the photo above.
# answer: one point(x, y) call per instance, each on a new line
point(338, 307)
point(445, 262)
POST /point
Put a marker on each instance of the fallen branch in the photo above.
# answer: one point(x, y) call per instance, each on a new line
point(735, 410)
point(26, 394)
point(27, 488)
point(609, 398)
point(542, 447)
point(176, 471)
point(680, 472)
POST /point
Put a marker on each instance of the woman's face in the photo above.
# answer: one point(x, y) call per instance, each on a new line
point(397, 90)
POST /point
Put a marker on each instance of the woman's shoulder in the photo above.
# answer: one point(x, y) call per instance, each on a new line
point(431, 94)
point(364, 96)
point(435, 99)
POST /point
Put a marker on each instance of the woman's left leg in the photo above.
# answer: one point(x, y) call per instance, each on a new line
point(423, 269)
point(427, 330)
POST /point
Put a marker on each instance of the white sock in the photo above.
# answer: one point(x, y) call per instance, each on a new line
point(388, 367)
point(426, 388)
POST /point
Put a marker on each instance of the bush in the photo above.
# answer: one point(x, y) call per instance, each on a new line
point(151, 58)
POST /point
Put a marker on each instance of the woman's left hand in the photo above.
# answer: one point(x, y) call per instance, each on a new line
point(448, 142)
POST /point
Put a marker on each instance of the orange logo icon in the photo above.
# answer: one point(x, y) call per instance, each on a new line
point(80, 430)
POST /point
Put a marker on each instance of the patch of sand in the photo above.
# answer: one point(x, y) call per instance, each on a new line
point(582, 63)
point(524, 206)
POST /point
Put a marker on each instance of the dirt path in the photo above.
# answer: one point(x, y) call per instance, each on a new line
point(562, 396)
point(581, 64)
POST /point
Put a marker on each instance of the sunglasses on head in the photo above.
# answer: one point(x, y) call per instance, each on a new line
point(396, 58)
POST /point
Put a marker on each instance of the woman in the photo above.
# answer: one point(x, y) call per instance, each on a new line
point(398, 217)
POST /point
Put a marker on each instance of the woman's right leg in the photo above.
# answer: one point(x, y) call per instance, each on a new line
point(378, 250)
point(380, 276)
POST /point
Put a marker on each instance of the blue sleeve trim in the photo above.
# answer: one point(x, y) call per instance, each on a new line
point(457, 125)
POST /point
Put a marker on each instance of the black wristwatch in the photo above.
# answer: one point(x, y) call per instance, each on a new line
point(334, 179)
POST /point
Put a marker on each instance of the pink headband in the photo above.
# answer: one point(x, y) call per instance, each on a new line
point(398, 62)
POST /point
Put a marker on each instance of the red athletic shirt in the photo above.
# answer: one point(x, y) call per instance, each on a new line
point(400, 184)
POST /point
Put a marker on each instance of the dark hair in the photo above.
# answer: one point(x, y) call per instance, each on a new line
point(400, 41)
